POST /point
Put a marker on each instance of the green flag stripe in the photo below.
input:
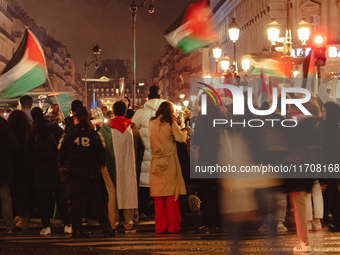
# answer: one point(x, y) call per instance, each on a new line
point(188, 45)
point(30, 80)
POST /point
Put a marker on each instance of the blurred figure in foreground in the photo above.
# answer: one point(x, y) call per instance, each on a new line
point(331, 141)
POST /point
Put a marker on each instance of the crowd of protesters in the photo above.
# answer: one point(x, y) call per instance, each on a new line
point(46, 158)
point(144, 154)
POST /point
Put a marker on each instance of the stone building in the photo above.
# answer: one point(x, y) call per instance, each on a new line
point(174, 70)
point(7, 40)
point(254, 16)
point(112, 81)
point(61, 69)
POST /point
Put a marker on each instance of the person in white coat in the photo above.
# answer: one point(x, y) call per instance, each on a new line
point(141, 120)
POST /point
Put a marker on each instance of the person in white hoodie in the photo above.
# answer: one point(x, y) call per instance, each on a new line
point(141, 120)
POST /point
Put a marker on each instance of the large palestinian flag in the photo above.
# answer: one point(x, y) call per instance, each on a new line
point(26, 70)
point(193, 29)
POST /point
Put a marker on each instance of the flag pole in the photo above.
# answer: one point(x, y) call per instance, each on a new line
point(49, 83)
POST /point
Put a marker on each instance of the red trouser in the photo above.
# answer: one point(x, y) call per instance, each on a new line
point(167, 215)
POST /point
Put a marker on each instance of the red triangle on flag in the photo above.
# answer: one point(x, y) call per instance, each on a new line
point(34, 50)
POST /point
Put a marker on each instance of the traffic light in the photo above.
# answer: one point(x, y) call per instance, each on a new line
point(320, 50)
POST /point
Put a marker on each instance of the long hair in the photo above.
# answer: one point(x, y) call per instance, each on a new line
point(19, 123)
point(167, 111)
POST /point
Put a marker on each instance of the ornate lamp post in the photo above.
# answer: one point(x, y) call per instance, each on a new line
point(96, 51)
point(273, 32)
point(217, 52)
point(303, 33)
point(134, 8)
point(225, 64)
point(245, 65)
point(234, 32)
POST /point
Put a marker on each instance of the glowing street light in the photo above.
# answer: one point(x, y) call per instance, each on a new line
point(303, 33)
point(273, 32)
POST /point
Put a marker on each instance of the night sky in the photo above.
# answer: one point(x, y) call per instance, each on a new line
point(81, 24)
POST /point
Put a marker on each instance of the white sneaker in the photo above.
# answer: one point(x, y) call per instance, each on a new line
point(264, 228)
point(67, 230)
point(281, 228)
point(133, 230)
point(45, 231)
point(317, 227)
point(310, 226)
point(302, 247)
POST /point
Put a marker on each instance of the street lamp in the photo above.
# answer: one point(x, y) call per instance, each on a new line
point(273, 31)
point(303, 33)
point(134, 8)
point(234, 32)
point(186, 103)
point(96, 51)
point(225, 64)
point(217, 52)
point(207, 79)
point(245, 65)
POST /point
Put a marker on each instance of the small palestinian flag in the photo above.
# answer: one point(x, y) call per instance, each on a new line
point(194, 29)
point(26, 70)
point(306, 72)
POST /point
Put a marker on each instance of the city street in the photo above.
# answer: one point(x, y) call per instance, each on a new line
point(322, 242)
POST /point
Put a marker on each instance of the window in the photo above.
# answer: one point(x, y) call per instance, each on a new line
point(314, 22)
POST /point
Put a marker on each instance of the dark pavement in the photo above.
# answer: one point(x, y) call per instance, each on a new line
point(145, 241)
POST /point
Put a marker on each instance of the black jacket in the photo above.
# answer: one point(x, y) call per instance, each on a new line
point(9, 146)
point(81, 149)
point(45, 169)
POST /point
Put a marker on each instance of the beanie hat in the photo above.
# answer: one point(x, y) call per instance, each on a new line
point(154, 92)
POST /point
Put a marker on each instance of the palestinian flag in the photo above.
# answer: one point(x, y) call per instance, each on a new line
point(26, 70)
point(276, 66)
point(306, 71)
point(194, 29)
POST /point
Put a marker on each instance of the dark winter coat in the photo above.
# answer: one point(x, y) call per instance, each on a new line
point(45, 170)
point(8, 147)
point(82, 149)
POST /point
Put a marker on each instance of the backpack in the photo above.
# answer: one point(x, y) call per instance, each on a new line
point(45, 144)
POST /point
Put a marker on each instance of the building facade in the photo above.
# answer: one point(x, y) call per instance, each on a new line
point(254, 16)
point(7, 40)
point(174, 70)
point(111, 82)
point(62, 76)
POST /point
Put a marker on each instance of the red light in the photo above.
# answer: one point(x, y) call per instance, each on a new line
point(318, 39)
point(53, 94)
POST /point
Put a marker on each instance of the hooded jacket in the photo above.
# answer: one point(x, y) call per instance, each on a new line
point(45, 170)
point(141, 120)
